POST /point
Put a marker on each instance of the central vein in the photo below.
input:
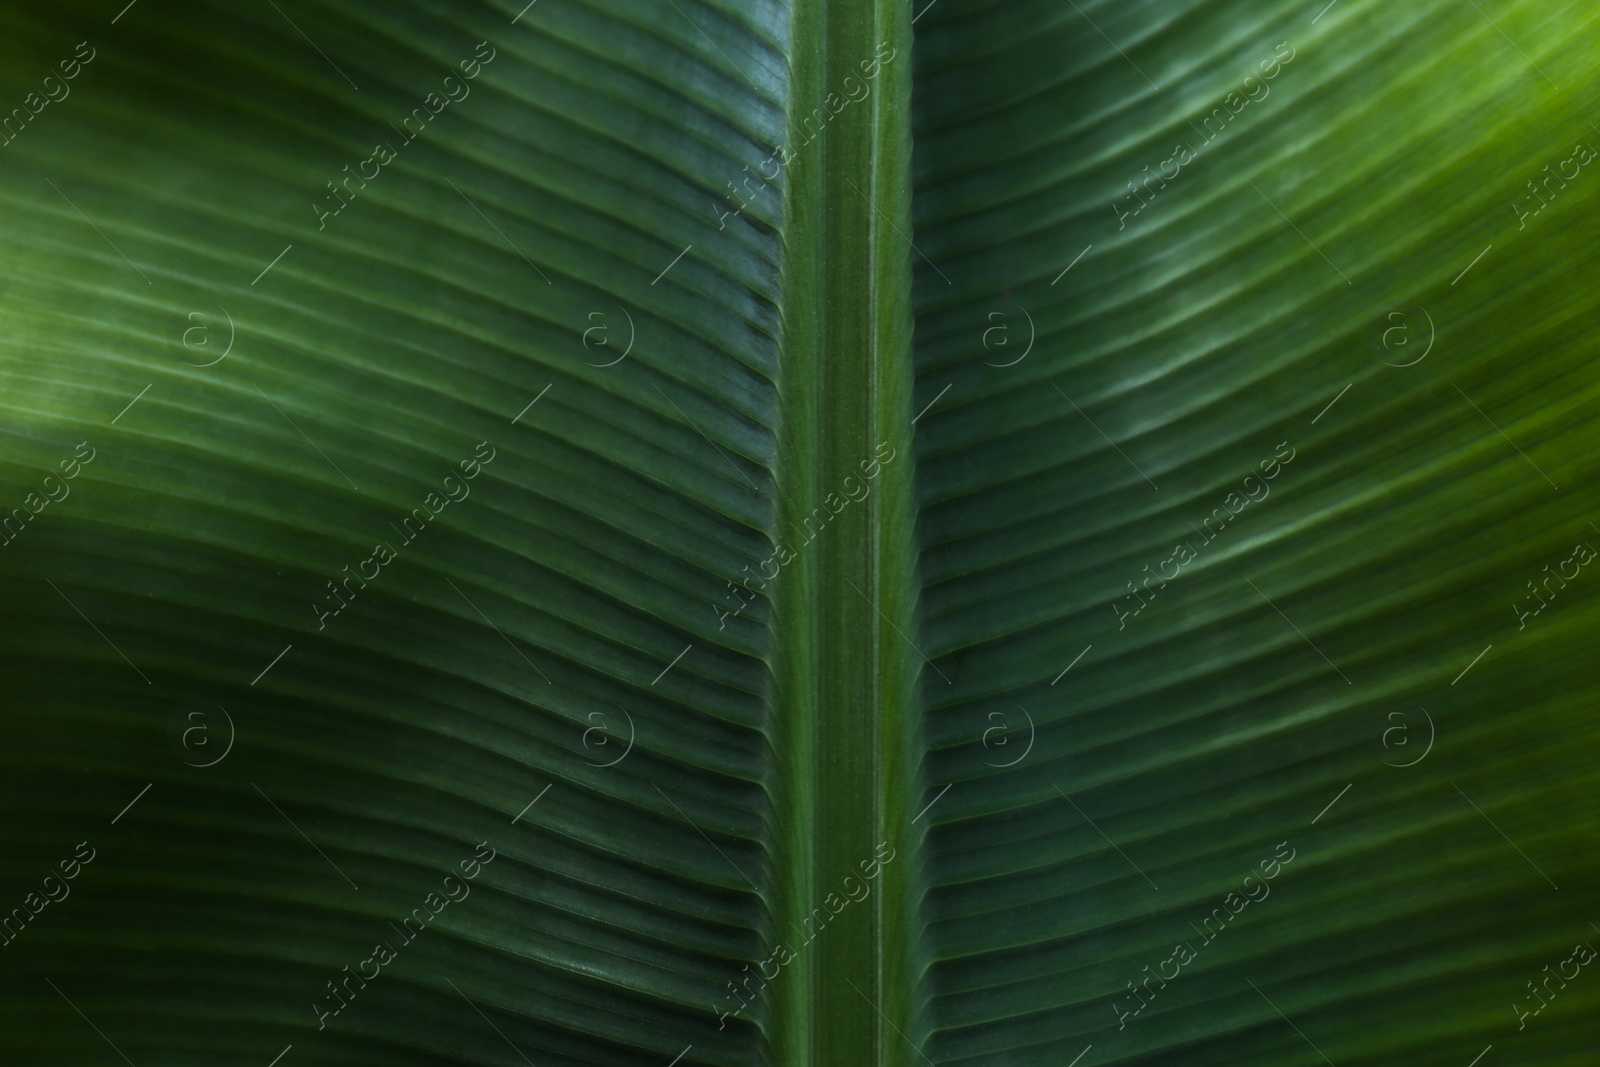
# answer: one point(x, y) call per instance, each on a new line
point(846, 894)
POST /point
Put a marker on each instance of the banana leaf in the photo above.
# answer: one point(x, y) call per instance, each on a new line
point(798, 532)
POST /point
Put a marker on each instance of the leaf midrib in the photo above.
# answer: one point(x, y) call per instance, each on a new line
point(845, 676)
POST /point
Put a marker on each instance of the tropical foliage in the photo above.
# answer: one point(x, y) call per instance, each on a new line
point(805, 532)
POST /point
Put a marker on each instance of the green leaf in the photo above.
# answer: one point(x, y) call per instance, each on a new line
point(726, 463)
point(1317, 628)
